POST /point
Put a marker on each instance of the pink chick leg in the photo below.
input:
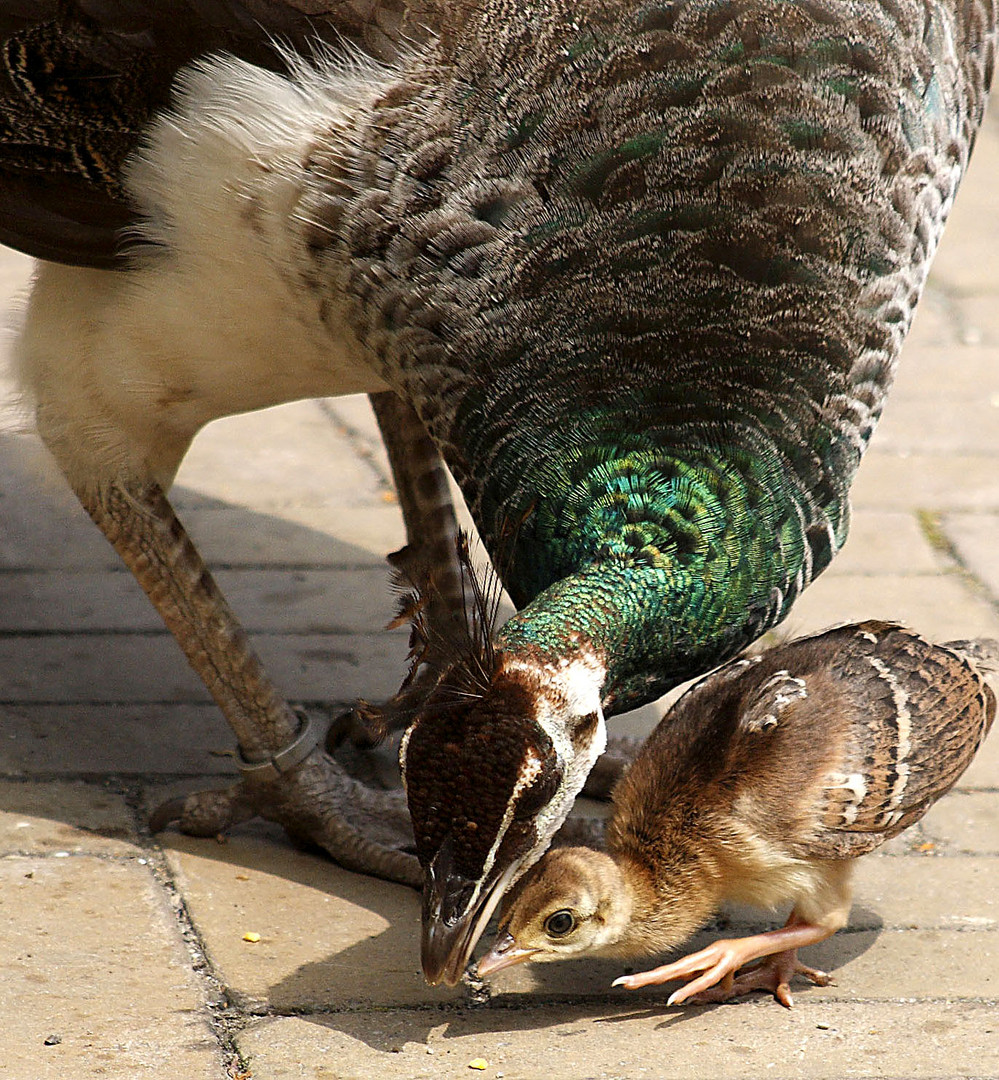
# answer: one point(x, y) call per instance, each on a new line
point(716, 965)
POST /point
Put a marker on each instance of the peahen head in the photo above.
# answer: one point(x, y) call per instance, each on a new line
point(489, 783)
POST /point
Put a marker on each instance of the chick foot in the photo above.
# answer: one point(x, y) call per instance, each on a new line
point(773, 975)
point(714, 968)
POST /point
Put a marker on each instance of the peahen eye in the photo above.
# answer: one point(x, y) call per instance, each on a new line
point(560, 923)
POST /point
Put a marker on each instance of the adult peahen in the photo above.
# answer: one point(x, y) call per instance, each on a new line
point(640, 270)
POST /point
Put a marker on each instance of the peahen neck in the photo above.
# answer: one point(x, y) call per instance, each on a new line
point(662, 564)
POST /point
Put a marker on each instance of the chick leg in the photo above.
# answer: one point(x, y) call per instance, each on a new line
point(287, 776)
point(718, 963)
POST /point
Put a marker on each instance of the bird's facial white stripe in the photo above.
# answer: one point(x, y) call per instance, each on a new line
point(530, 770)
point(403, 747)
point(577, 683)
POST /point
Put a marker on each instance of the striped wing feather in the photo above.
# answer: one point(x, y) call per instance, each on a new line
point(919, 713)
point(80, 79)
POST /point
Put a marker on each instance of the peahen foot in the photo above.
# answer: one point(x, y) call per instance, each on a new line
point(317, 802)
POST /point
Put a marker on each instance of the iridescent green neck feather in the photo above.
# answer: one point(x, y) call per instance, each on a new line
point(664, 565)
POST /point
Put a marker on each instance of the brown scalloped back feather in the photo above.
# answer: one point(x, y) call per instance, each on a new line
point(823, 747)
point(81, 79)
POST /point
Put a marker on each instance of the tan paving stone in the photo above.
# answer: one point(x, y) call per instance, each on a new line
point(625, 1041)
point(917, 890)
point(146, 737)
point(150, 667)
point(353, 415)
point(978, 314)
point(338, 536)
point(958, 373)
point(954, 427)
point(941, 607)
point(38, 818)
point(904, 481)
point(91, 954)
point(976, 540)
point(317, 601)
point(910, 964)
point(967, 821)
point(44, 526)
point(935, 325)
point(290, 454)
point(328, 938)
point(927, 891)
point(885, 543)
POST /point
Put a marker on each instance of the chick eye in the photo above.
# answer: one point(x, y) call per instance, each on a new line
point(560, 923)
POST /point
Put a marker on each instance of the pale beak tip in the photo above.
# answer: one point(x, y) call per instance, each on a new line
point(505, 953)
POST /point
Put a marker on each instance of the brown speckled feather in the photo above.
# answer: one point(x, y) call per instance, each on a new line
point(824, 747)
point(80, 80)
point(919, 714)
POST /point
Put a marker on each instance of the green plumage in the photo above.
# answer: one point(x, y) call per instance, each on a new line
point(680, 245)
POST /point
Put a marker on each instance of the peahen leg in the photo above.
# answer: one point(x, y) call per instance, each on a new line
point(429, 559)
point(421, 482)
point(287, 776)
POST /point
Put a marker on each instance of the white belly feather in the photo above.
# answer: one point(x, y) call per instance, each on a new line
point(125, 367)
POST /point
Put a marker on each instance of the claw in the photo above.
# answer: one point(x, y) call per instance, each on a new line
point(166, 814)
point(319, 805)
point(205, 813)
point(363, 726)
point(773, 975)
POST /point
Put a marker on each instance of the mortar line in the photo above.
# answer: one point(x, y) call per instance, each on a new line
point(931, 526)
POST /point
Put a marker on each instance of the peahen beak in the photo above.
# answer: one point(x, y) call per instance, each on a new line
point(455, 913)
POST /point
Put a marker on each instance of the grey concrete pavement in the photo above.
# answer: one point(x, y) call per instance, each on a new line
point(124, 955)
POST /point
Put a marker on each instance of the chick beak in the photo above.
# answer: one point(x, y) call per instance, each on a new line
point(447, 942)
point(504, 953)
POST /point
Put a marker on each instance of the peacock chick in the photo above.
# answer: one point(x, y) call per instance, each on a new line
point(761, 785)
